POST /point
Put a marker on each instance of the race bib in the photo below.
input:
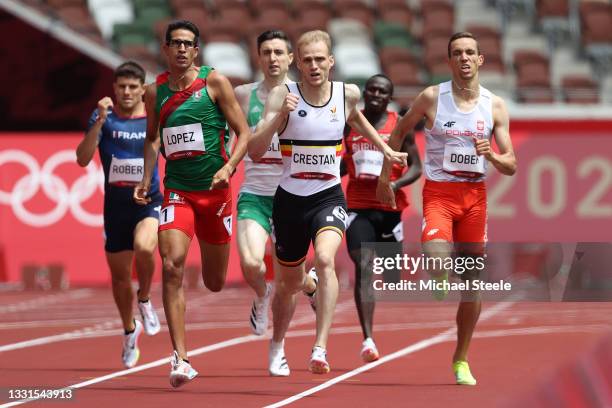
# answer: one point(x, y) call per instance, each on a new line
point(314, 162)
point(368, 163)
point(166, 215)
point(398, 232)
point(125, 172)
point(183, 141)
point(463, 161)
point(273, 155)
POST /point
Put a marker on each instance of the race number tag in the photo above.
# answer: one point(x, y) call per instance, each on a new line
point(463, 161)
point(227, 222)
point(368, 163)
point(166, 215)
point(125, 172)
point(183, 141)
point(398, 232)
point(314, 162)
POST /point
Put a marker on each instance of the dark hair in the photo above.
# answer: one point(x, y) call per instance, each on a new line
point(182, 24)
point(462, 34)
point(271, 35)
point(382, 76)
point(130, 69)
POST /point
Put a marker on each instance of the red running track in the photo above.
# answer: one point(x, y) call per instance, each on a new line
point(58, 340)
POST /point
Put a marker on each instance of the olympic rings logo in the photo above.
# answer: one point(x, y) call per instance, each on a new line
point(66, 199)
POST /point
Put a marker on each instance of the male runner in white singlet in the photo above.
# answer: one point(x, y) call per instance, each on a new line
point(309, 204)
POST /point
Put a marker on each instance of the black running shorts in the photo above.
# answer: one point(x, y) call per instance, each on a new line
point(298, 219)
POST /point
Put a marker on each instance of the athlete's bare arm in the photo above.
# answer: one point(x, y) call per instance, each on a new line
point(242, 96)
point(505, 160)
point(87, 148)
point(357, 121)
point(415, 168)
point(422, 107)
point(151, 146)
point(278, 105)
point(222, 93)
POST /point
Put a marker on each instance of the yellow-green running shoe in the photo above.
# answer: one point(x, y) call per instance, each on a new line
point(463, 375)
point(440, 294)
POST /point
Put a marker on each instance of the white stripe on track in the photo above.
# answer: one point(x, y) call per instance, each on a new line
point(423, 344)
point(206, 349)
point(45, 300)
point(101, 329)
point(447, 335)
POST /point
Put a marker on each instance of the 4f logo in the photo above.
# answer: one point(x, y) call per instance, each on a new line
point(449, 124)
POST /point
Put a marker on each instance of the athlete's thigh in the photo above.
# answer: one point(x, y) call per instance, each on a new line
point(173, 247)
point(292, 235)
point(257, 208)
point(471, 232)
point(177, 212)
point(215, 258)
point(331, 216)
point(145, 233)
point(252, 238)
point(360, 229)
point(328, 223)
point(213, 211)
point(326, 245)
point(389, 226)
point(472, 226)
point(120, 264)
point(438, 216)
point(118, 227)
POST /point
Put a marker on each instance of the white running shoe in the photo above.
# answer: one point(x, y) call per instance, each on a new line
point(259, 312)
point(369, 352)
point(312, 297)
point(277, 362)
point(181, 372)
point(131, 352)
point(318, 361)
point(149, 317)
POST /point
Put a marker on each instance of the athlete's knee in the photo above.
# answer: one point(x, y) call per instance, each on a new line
point(144, 250)
point(121, 275)
point(290, 283)
point(172, 269)
point(251, 266)
point(121, 280)
point(324, 264)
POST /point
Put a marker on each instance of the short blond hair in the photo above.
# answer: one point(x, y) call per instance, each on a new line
point(310, 37)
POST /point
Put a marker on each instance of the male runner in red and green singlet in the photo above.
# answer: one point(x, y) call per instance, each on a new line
point(189, 109)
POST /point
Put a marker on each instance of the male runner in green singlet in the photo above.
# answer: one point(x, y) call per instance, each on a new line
point(189, 109)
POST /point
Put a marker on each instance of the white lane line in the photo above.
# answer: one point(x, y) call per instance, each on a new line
point(88, 332)
point(440, 338)
point(153, 364)
point(423, 344)
point(100, 330)
point(45, 300)
point(206, 349)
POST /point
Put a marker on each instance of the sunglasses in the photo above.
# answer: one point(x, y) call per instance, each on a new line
point(175, 43)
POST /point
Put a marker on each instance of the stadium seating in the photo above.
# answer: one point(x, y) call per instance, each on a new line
point(536, 51)
point(230, 59)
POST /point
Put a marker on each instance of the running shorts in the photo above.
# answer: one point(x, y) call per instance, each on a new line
point(454, 212)
point(297, 221)
point(208, 213)
point(256, 207)
point(120, 220)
